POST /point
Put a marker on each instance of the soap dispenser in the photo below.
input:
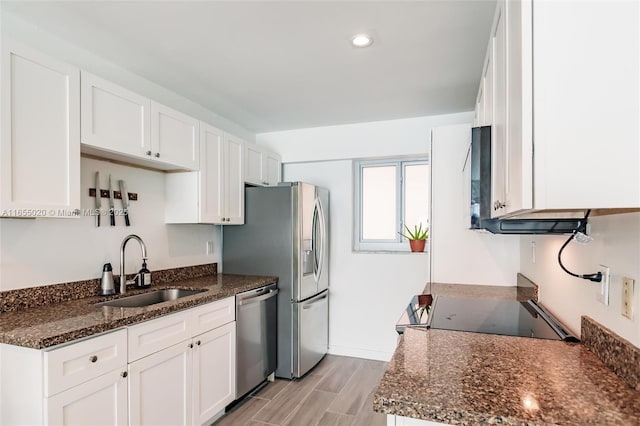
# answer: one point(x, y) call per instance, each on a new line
point(144, 276)
point(106, 285)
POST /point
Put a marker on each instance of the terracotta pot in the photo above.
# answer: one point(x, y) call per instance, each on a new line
point(417, 245)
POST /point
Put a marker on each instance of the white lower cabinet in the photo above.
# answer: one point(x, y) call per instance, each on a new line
point(408, 421)
point(185, 383)
point(160, 387)
point(179, 369)
point(214, 372)
point(100, 401)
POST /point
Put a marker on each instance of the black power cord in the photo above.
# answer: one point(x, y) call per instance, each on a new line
point(597, 277)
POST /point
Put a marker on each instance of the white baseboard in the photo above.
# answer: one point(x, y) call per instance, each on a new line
point(360, 353)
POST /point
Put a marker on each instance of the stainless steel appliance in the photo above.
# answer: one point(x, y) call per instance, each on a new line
point(256, 344)
point(286, 234)
point(477, 168)
point(491, 316)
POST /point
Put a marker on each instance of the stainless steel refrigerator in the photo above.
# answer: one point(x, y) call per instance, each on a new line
point(286, 234)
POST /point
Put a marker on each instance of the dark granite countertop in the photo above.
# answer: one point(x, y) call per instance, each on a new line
point(53, 324)
point(465, 378)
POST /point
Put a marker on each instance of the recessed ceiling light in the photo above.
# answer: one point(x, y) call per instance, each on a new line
point(361, 40)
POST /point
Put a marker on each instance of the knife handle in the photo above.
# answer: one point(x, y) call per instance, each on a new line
point(126, 218)
point(112, 217)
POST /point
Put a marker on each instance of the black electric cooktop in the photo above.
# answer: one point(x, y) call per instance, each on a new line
point(506, 317)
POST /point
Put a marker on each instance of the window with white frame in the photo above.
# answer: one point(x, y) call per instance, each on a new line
point(389, 194)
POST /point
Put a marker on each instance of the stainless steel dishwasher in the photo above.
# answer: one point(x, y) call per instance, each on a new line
point(256, 337)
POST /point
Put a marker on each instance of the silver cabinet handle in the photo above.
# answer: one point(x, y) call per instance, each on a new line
point(93, 358)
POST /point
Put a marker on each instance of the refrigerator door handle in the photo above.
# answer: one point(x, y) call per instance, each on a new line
point(309, 304)
point(319, 234)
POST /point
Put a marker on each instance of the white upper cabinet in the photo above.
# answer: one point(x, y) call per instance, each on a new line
point(499, 114)
point(262, 166)
point(565, 130)
point(114, 119)
point(175, 137)
point(215, 194)
point(234, 152)
point(123, 125)
point(40, 136)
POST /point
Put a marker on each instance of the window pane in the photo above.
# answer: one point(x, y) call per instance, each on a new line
point(416, 195)
point(379, 203)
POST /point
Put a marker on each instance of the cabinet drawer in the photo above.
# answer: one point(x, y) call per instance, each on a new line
point(79, 362)
point(157, 334)
point(213, 315)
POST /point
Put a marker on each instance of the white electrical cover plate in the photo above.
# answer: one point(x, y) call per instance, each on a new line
point(603, 296)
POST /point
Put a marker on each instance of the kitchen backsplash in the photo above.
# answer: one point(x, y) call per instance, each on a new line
point(25, 298)
point(616, 353)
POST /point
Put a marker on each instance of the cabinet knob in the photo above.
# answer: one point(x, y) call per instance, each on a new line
point(198, 342)
point(190, 345)
point(157, 155)
point(149, 153)
point(93, 358)
point(124, 374)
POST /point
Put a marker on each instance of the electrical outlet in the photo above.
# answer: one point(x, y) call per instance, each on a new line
point(209, 247)
point(533, 252)
point(603, 295)
point(627, 297)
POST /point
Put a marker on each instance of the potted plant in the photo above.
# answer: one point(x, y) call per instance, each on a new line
point(417, 237)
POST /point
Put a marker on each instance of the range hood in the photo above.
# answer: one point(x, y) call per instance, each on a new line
point(531, 226)
point(478, 167)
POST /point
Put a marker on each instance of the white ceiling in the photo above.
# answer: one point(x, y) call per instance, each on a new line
point(283, 65)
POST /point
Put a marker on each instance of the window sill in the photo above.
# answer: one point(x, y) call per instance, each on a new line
point(419, 253)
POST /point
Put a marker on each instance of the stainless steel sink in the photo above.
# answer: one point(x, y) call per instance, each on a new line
point(146, 299)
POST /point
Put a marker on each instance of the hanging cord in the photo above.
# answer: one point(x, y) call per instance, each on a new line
point(597, 277)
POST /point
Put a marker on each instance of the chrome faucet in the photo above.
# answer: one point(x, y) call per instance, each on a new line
point(123, 278)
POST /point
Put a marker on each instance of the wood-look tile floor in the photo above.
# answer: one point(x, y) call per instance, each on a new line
point(338, 391)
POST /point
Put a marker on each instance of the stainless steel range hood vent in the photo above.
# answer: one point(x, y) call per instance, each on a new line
point(531, 226)
point(478, 167)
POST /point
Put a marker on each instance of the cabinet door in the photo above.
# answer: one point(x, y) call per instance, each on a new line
point(212, 176)
point(160, 387)
point(272, 167)
point(214, 372)
point(100, 401)
point(234, 181)
point(79, 362)
point(174, 137)
point(499, 155)
point(40, 139)
point(152, 336)
point(114, 119)
point(519, 163)
point(254, 173)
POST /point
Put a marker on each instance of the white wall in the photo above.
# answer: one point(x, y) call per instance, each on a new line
point(616, 244)
point(389, 138)
point(35, 252)
point(461, 255)
point(369, 291)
